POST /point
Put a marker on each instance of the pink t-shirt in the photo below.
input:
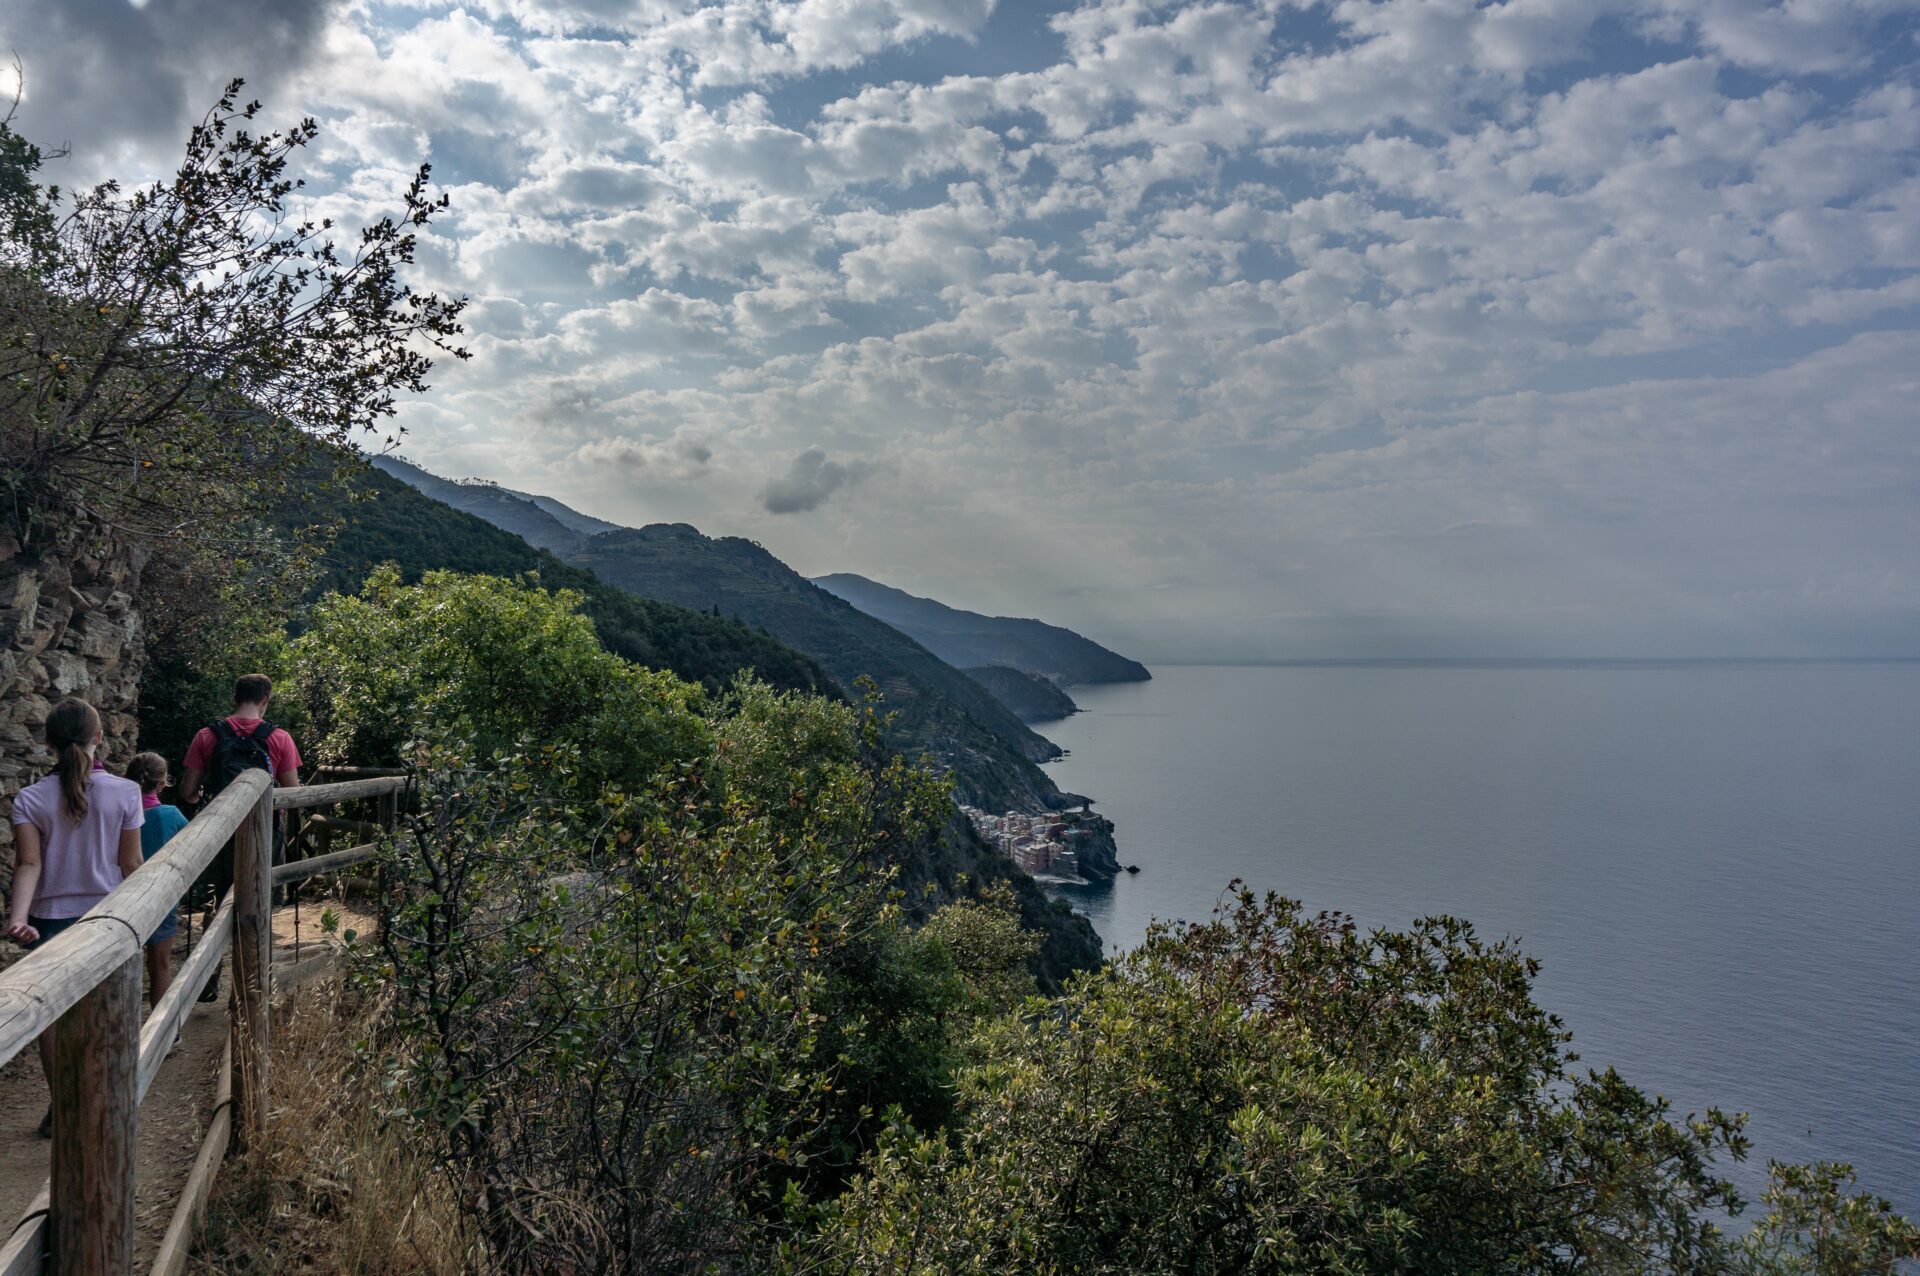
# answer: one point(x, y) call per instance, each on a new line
point(79, 859)
point(281, 750)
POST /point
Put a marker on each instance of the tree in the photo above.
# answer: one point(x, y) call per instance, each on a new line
point(174, 362)
point(1274, 1092)
point(170, 344)
point(489, 667)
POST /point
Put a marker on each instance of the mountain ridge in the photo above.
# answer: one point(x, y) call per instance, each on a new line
point(378, 517)
point(967, 639)
point(986, 749)
point(1032, 697)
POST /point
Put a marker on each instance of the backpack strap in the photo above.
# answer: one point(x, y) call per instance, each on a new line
point(223, 731)
point(262, 734)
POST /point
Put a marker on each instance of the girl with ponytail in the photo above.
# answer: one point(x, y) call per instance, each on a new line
point(76, 836)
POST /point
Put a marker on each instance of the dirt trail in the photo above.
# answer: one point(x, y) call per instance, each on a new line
point(178, 1105)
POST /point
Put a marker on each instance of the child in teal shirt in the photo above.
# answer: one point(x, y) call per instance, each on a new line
point(149, 771)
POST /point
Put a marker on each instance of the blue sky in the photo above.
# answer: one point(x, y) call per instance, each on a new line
point(1245, 330)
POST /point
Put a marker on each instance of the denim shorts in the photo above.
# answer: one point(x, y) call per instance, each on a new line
point(168, 928)
point(51, 926)
point(48, 927)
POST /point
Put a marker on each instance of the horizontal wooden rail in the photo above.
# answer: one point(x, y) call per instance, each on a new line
point(300, 870)
point(171, 1259)
point(326, 794)
point(21, 1254)
point(156, 1039)
point(40, 987)
point(86, 981)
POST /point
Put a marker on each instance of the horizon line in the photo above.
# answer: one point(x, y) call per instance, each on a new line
point(1264, 662)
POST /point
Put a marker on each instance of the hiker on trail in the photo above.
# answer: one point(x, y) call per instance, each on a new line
point(76, 836)
point(243, 741)
point(149, 771)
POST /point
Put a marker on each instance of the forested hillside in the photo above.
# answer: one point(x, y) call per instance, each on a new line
point(1029, 695)
point(380, 519)
point(991, 752)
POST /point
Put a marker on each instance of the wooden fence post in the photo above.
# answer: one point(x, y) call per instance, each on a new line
point(96, 1061)
point(252, 970)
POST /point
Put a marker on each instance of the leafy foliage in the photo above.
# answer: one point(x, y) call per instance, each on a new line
point(493, 667)
point(163, 351)
point(180, 360)
point(610, 931)
point(1274, 1092)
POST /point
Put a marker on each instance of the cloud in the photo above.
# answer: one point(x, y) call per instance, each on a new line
point(118, 82)
point(677, 458)
point(809, 481)
point(1244, 308)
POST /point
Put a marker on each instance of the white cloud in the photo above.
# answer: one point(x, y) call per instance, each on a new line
point(1377, 304)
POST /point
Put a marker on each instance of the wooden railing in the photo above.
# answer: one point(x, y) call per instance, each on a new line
point(85, 985)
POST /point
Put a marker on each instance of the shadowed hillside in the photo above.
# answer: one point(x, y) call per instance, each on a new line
point(385, 520)
point(1033, 697)
point(968, 639)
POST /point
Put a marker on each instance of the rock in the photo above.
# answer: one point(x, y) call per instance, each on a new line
point(70, 624)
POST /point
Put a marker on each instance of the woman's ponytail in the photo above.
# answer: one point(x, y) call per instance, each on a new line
point(72, 728)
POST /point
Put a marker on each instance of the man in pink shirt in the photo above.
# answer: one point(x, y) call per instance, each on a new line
point(244, 741)
point(217, 755)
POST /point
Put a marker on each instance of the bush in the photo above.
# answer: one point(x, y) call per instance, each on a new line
point(610, 929)
point(1272, 1092)
point(488, 667)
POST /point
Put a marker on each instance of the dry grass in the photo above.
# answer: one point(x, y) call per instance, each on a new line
point(335, 1191)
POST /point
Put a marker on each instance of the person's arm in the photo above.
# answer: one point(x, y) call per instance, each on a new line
point(130, 858)
point(26, 879)
point(286, 760)
point(189, 786)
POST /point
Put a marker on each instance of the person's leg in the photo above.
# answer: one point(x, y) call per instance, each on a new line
point(159, 970)
point(220, 874)
point(46, 1070)
point(48, 928)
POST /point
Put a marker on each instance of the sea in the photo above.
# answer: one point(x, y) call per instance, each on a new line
point(1717, 863)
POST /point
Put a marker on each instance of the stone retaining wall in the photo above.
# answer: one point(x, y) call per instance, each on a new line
point(69, 625)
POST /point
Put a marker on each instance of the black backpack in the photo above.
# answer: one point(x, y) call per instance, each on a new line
point(234, 753)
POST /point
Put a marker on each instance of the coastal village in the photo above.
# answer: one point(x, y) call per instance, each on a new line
point(1045, 844)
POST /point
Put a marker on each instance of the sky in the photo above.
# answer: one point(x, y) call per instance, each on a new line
point(1220, 330)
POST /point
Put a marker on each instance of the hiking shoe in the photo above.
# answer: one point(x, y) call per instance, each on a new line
point(212, 991)
point(46, 1124)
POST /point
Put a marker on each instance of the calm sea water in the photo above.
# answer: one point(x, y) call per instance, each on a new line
point(1719, 865)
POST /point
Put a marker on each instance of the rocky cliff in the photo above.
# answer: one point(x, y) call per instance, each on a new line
point(69, 625)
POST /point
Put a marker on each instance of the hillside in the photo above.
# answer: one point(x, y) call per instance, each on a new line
point(386, 520)
point(507, 510)
point(991, 752)
point(382, 519)
point(967, 639)
point(1030, 696)
point(938, 710)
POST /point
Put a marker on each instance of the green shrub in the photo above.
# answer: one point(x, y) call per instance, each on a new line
point(1277, 1093)
point(486, 666)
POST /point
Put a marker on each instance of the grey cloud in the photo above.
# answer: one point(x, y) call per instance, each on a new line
point(107, 77)
point(809, 481)
point(676, 458)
